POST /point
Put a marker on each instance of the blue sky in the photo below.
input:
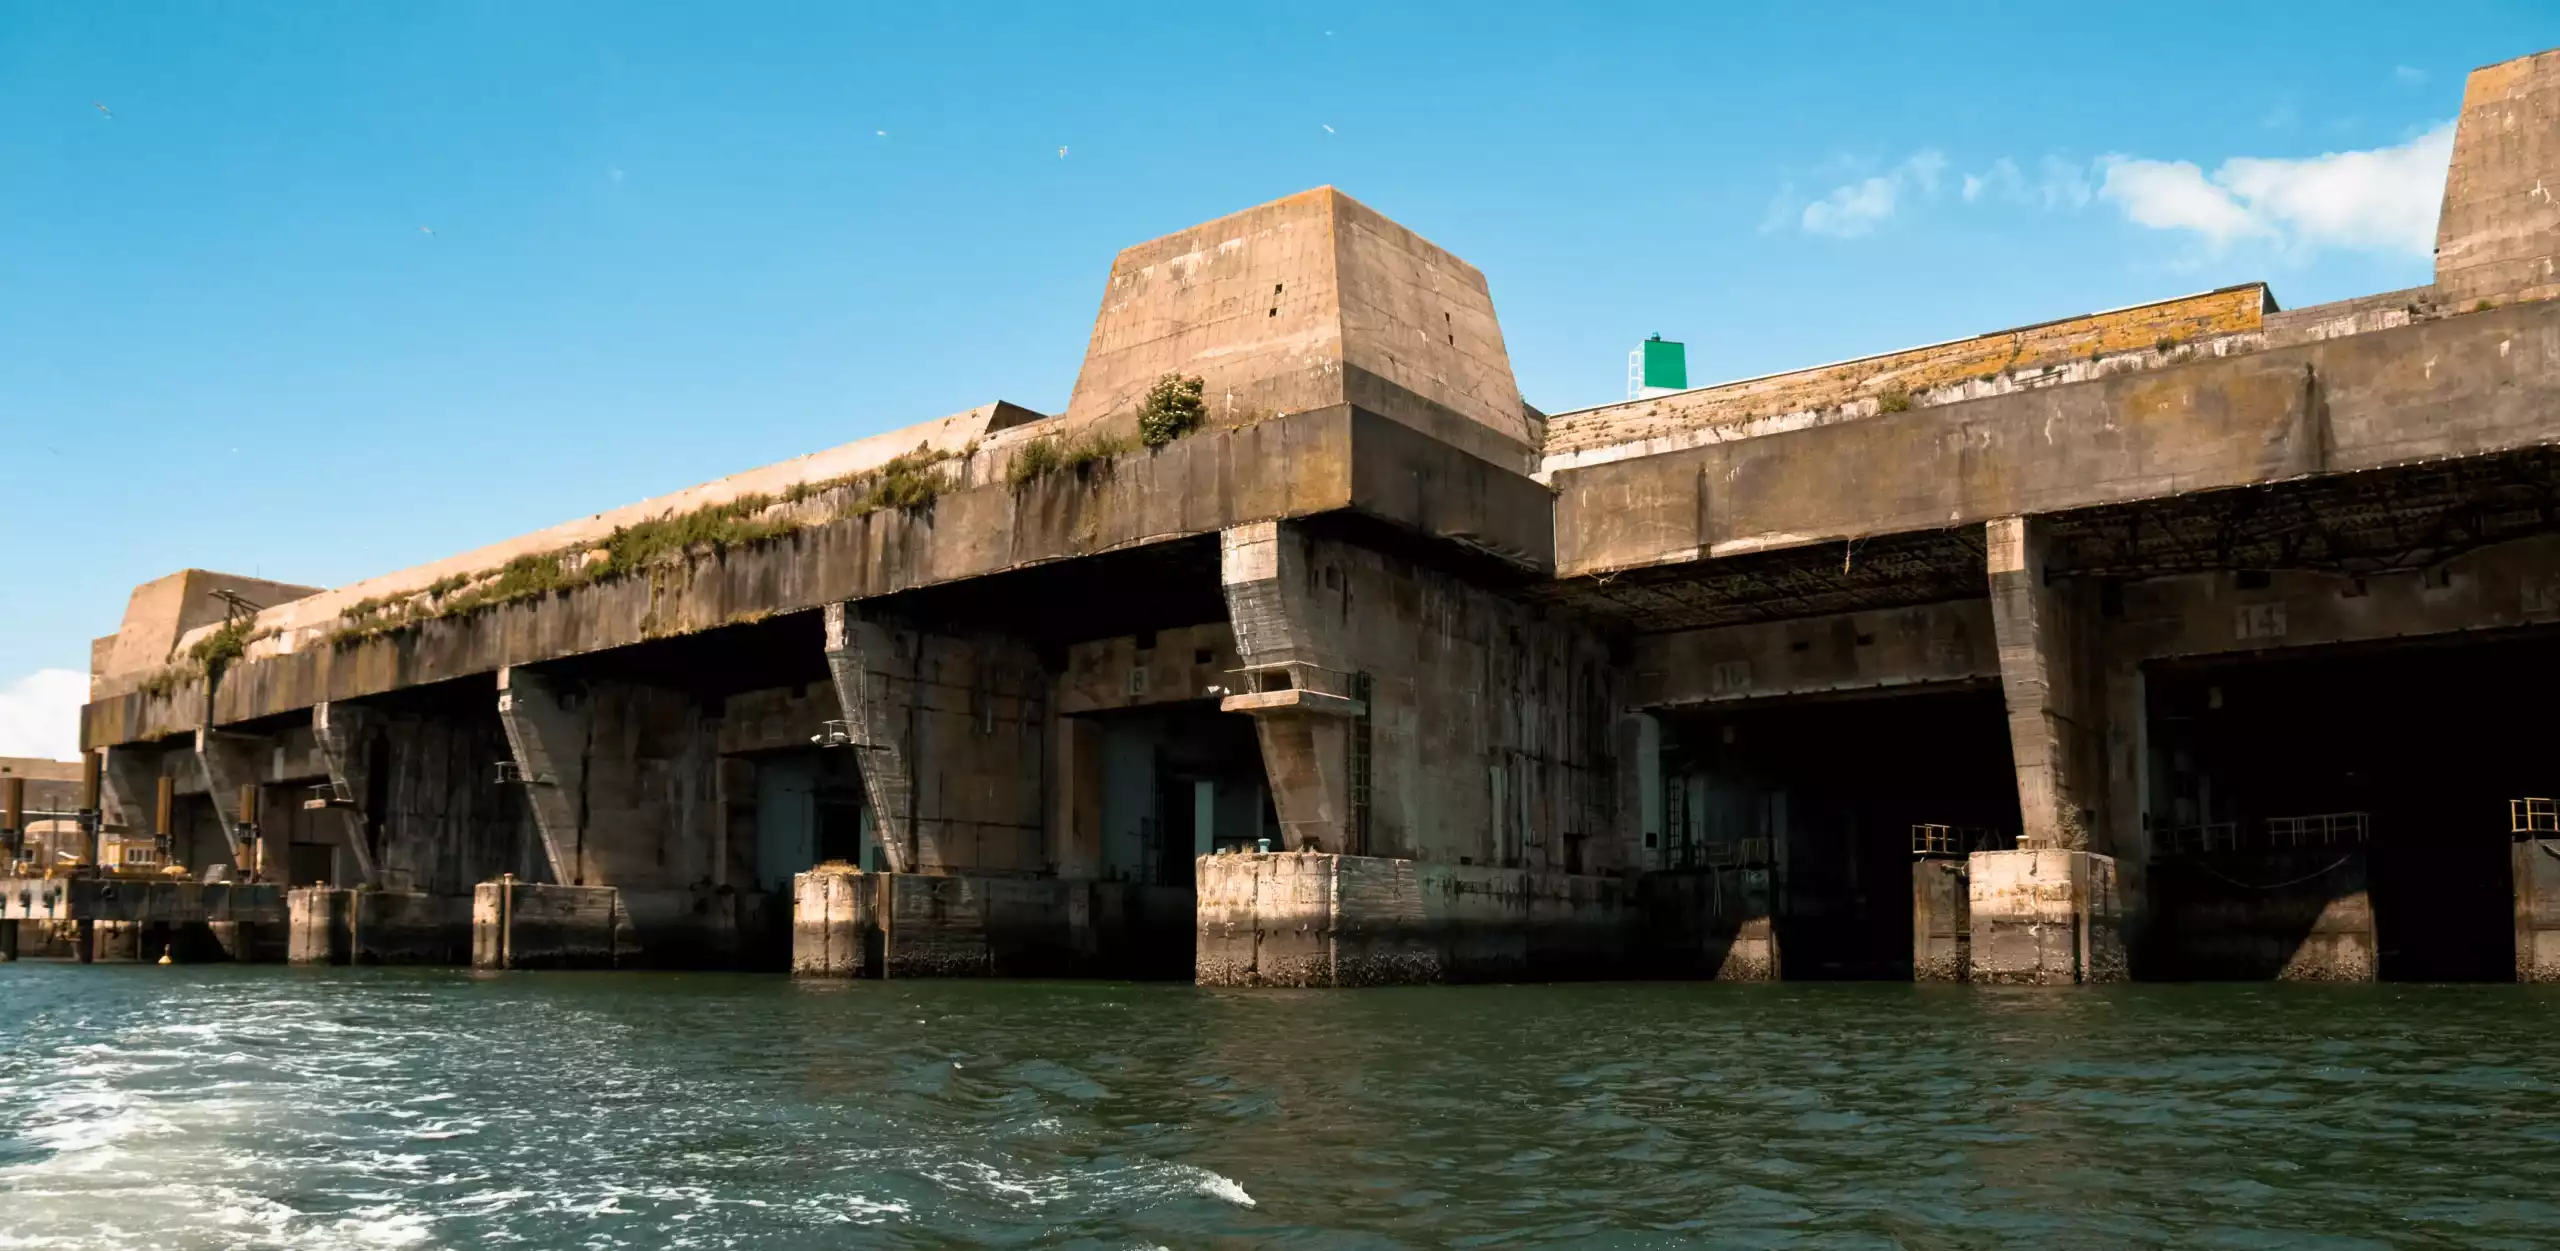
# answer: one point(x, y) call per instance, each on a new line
point(674, 241)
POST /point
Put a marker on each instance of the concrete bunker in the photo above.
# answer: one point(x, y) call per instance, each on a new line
point(2344, 813)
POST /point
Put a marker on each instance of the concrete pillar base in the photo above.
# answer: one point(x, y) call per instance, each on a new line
point(1941, 920)
point(8, 941)
point(2044, 917)
point(2537, 888)
point(330, 925)
point(1716, 924)
point(1317, 919)
point(522, 925)
point(834, 932)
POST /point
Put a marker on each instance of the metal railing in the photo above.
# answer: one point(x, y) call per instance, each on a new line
point(1931, 839)
point(2318, 829)
point(2533, 816)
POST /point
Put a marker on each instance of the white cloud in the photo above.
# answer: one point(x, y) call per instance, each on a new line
point(1854, 209)
point(40, 714)
point(2059, 183)
point(2379, 199)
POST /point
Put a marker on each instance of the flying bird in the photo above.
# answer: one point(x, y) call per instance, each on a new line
point(882, 133)
point(426, 230)
point(1062, 154)
point(1327, 129)
point(103, 110)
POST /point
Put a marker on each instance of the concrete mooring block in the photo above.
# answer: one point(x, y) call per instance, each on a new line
point(524, 925)
point(331, 925)
point(834, 932)
point(1319, 919)
point(2044, 917)
point(2537, 887)
point(1941, 920)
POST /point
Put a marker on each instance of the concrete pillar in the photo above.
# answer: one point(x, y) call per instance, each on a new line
point(1299, 678)
point(547, 733)
point(2050, 911)
point(1941, 920)
point(8, 941)
point(2537, 887)
point(833, 931)
point(2050, 674)
point(528, 925)
point(341, 731)
point(953, 736)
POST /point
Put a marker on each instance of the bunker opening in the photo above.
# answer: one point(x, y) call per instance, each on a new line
point(1811, 810)
point(2344, 813)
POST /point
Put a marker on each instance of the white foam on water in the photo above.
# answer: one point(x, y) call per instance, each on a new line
point(1216, 1185)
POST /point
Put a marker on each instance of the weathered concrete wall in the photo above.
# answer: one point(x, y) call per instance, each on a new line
point(1488, 724)
point(833, 925)
point(1307, 919)
point(2499, 231)
point(2460, 386)
point(1305, 302)
point(2071, 349)
point(1934, 644)
point(2291, 915)
point(951, 733)
point(1184, 663)
point(2045, 917)
point(849, 924)
point(1298, 465)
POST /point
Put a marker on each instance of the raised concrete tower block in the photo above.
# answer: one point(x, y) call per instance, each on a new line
point(1304, 303)
point(547, 732)
point(2498, 237)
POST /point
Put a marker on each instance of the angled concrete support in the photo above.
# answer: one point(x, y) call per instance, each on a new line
point(2051, 675)
point(952, 735)
point(341, 731)
point(230, 766)
point(861, 657)
point(1299, 687)
point(547, 733)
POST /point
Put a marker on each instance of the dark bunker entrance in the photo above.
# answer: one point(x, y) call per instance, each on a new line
point(2387, 769)
point(1827, 795)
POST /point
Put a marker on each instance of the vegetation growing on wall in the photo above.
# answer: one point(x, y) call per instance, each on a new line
point(207, 659)
point(905, 482)
point(1041, 457)
point(1896, 400)
point(1172, 409)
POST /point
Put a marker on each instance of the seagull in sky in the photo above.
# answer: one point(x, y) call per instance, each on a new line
point(103, 110)
point(426, 230)
point(1062, 154)
point(1327, 129)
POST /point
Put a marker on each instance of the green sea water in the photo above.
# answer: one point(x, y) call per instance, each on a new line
point(255, 1107)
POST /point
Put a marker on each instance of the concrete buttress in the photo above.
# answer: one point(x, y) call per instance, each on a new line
point(547, 733)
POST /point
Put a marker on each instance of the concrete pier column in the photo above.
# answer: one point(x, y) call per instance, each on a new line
point(8, 941)
point(833, 930)
point(1299, 687)
point(2537, 887)
point(527, 925)
point(2049, 912)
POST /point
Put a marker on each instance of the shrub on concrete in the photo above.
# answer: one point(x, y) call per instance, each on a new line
point(1173, 408)
point(1896, 400)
